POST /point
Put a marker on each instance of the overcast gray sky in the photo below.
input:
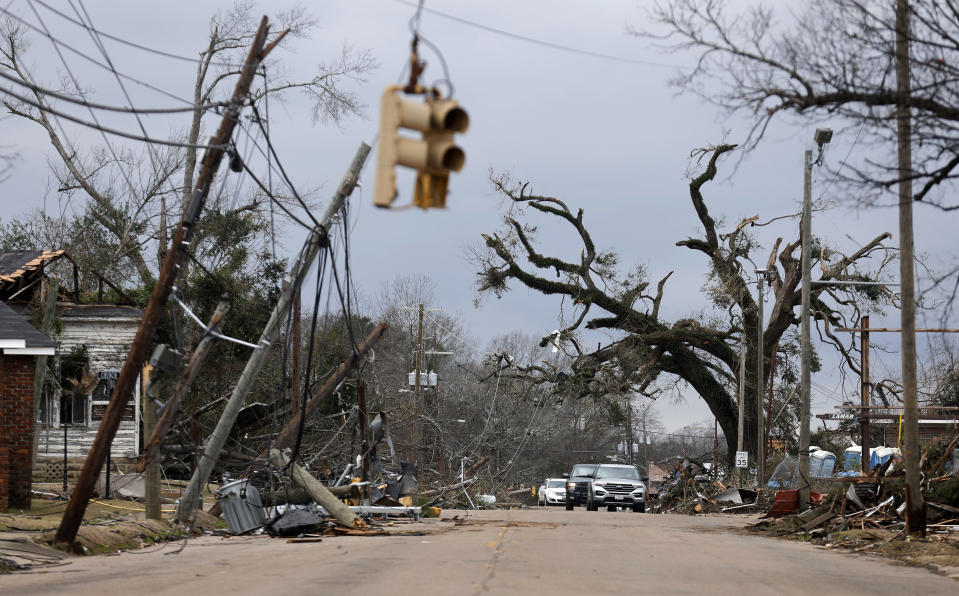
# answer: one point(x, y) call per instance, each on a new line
point(607, 135)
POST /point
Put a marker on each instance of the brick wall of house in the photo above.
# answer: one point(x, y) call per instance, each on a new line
point(16, 430)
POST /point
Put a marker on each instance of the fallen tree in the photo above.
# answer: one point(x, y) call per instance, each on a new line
point(704, 354)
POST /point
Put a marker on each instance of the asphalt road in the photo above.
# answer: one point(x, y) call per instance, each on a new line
point(533, 552)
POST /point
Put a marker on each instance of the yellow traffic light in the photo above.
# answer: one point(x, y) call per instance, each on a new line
point(433, 156)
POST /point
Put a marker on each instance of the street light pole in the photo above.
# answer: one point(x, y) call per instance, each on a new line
point(822, 136)
point(805, 379)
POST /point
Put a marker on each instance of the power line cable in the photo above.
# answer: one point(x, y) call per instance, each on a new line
point(134, 44)
point(89, 58)
point(540, 42)
point(105, 129)
point(273, 199)
point(154, 160)
point(279, 164)
point(76, 84)
point(106, 107)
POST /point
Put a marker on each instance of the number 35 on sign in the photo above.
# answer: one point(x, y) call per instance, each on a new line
point(742, 459)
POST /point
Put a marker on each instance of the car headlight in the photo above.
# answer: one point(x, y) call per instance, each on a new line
point(570, 485)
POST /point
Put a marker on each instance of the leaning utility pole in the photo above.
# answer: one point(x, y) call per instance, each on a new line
point(316, 241)
point(171, 409)
point(915, 509)
point(73, 515)
point(152, 493)
point(805, 377)
point(296, 388)
point(287, 435)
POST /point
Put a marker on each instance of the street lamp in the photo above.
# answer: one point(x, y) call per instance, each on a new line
point(821, 137)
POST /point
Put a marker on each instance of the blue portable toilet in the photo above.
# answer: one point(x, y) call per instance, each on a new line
point(852, 461)
point(821, 464)
point(880, 455)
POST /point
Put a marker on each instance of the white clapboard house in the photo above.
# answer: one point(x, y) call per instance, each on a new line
point(93, 337)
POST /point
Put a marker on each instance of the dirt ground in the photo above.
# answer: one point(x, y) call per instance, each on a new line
point(938, 551)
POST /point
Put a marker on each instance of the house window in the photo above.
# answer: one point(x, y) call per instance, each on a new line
point(73, 409)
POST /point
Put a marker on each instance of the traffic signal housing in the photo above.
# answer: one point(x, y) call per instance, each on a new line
point(434, 155)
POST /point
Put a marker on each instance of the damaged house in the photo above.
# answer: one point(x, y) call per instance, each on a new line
point(93, 333)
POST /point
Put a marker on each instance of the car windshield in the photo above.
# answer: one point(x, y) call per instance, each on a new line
point(626, 472)
point(555, 483)
point(582, 471)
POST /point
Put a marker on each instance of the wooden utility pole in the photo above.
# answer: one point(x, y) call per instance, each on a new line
point(915, 509)
point(414, 442)
point(316, 241)
point(715, 444)
point(364, 436)
point(742, 396)
point(151, 491)
point(645, 439)
point(760, 387)
point(158, 431)
point(769, 399)
point(317, 491)
point(296, 387)
point(805, 376)
point(73, 515)
point(864, 439)
point(629, 429)
point(287, 435)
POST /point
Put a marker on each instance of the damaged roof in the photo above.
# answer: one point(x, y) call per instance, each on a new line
point(20, 268)
point(16, 264)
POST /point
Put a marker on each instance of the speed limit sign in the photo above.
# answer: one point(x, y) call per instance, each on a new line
point(742, 459)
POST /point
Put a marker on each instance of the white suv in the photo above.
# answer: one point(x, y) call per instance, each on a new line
point(616, 485)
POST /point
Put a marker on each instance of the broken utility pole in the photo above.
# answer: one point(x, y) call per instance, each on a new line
point(288, 434)
point(364, 439)
point(319, 493)
point(152, 493)
point(172, 406)
point(125, 384)
point(317, 240)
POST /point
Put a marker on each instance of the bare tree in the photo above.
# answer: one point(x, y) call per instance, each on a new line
point(700, 352)
point(835, 60)
point(7, 158)
point(133, 194)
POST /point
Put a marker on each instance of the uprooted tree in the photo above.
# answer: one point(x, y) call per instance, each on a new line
point(649, 351)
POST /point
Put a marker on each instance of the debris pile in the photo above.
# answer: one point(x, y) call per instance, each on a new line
point(693, 488)
point(867, 513)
